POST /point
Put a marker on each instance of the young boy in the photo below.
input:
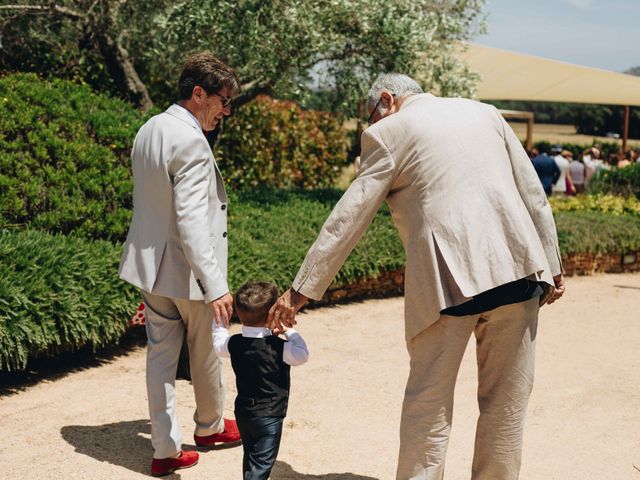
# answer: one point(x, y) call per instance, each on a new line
point(261, 362)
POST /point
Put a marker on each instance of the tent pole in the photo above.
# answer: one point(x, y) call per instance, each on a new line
point(625, 131)
point(530, 132)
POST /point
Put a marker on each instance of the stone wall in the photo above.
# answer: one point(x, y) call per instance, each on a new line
point(389, 284)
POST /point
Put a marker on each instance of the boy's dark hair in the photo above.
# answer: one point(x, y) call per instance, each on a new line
point(252, 302)
point(205, 70)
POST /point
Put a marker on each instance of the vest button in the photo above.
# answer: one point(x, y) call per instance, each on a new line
point(224, 235)
point(224, 207)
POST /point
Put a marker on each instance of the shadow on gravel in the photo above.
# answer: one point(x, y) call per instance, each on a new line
point(284, 471)
point(50, 369)
point(120, 443)
point(627, 286)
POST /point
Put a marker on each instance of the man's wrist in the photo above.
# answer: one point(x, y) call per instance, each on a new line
point(298, 299)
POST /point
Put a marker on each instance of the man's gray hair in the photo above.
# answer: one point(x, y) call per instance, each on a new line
point(395, 83)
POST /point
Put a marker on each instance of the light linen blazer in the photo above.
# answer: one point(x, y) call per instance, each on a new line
point(177, 242)
point(465, 199)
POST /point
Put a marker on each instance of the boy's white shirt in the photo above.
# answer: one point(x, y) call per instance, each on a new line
point(295, 349)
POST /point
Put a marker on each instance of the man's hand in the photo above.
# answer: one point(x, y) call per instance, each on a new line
point(283, 313)
point(222, 309)
point(558, 280)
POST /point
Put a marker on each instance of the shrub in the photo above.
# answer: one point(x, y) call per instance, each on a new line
point(64, 154)
point(58, 294)
point(615, 205)
point(618, 181)
point(597, 232)
point(61, 293)
point(64, 163)
point(270, 232)
point(276, 143)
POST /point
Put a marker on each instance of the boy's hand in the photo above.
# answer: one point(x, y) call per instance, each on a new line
point(283, 313)
point(279, 330)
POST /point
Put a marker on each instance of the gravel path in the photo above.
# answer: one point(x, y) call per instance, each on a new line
point(583, 421)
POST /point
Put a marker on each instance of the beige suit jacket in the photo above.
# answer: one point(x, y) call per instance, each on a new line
point(464, 196)
point(177, 241)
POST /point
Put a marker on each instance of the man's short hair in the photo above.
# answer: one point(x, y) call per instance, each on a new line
point(207, 71)
point(396, 83)
point(253, 300)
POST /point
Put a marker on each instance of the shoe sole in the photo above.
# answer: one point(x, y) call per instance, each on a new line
point(164, 474)
point(218, 446)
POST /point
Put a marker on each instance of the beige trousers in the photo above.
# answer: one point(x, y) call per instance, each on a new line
point(505, 341)
point(167, 320)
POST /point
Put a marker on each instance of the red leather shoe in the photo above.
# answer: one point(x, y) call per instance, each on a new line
point(164, 466)
point(229, 436)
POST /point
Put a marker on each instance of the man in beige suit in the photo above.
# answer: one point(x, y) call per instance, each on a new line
point(481, 256)
point(176, 253)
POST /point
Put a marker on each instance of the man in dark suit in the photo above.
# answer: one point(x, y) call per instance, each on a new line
point(547, 170)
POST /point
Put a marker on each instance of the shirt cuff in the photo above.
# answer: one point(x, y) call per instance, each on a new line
point(290, 332)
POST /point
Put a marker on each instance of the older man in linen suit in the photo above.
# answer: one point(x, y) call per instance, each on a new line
point(481, 256)
point(176, 253)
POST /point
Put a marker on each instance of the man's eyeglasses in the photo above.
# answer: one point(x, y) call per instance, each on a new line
point(369, 122)
point(226, 101)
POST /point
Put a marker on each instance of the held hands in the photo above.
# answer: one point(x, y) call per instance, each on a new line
point(558, 291)
point(222, 310)
point(283, 313)
point(279, 330)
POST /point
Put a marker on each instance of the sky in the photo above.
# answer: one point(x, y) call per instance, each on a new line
point(595, 33)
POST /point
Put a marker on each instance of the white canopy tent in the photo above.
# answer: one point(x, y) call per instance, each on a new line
point(515, 76)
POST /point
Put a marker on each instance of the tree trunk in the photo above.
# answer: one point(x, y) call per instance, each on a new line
point(102, 30)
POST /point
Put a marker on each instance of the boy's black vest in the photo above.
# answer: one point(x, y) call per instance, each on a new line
point(262, 377)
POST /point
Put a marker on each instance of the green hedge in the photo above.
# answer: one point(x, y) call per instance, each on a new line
point(618, 181)
point(64, 154)
point(612, 204)
point(61, 293)
point(276, 143)
point(58, 294)
point(64, 163)
point(598, 232)
point(270, 232)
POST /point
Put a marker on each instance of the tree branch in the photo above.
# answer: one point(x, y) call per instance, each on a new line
point(39, 9)
point(250, 91)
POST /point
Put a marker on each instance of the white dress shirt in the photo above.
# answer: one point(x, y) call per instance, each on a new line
point(295, 349)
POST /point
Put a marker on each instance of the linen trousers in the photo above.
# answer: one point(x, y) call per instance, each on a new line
point(505, 343)
point(167, 320)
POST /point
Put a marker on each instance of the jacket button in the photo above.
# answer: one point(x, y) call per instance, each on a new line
point(224, 207)
point(224, 235)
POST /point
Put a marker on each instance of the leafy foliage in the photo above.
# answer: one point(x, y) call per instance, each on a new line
point(64, 162)
point(270, 232)
point(277, 143)
point(274, 45)
point(61, 293)
point(597, 232)
point(58, 294)
point(64, 154)
point(618, 181)
point(611, 204)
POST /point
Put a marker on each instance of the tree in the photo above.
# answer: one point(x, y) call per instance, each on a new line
point(92, 28)
point(633, 71)
point(280, 47)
